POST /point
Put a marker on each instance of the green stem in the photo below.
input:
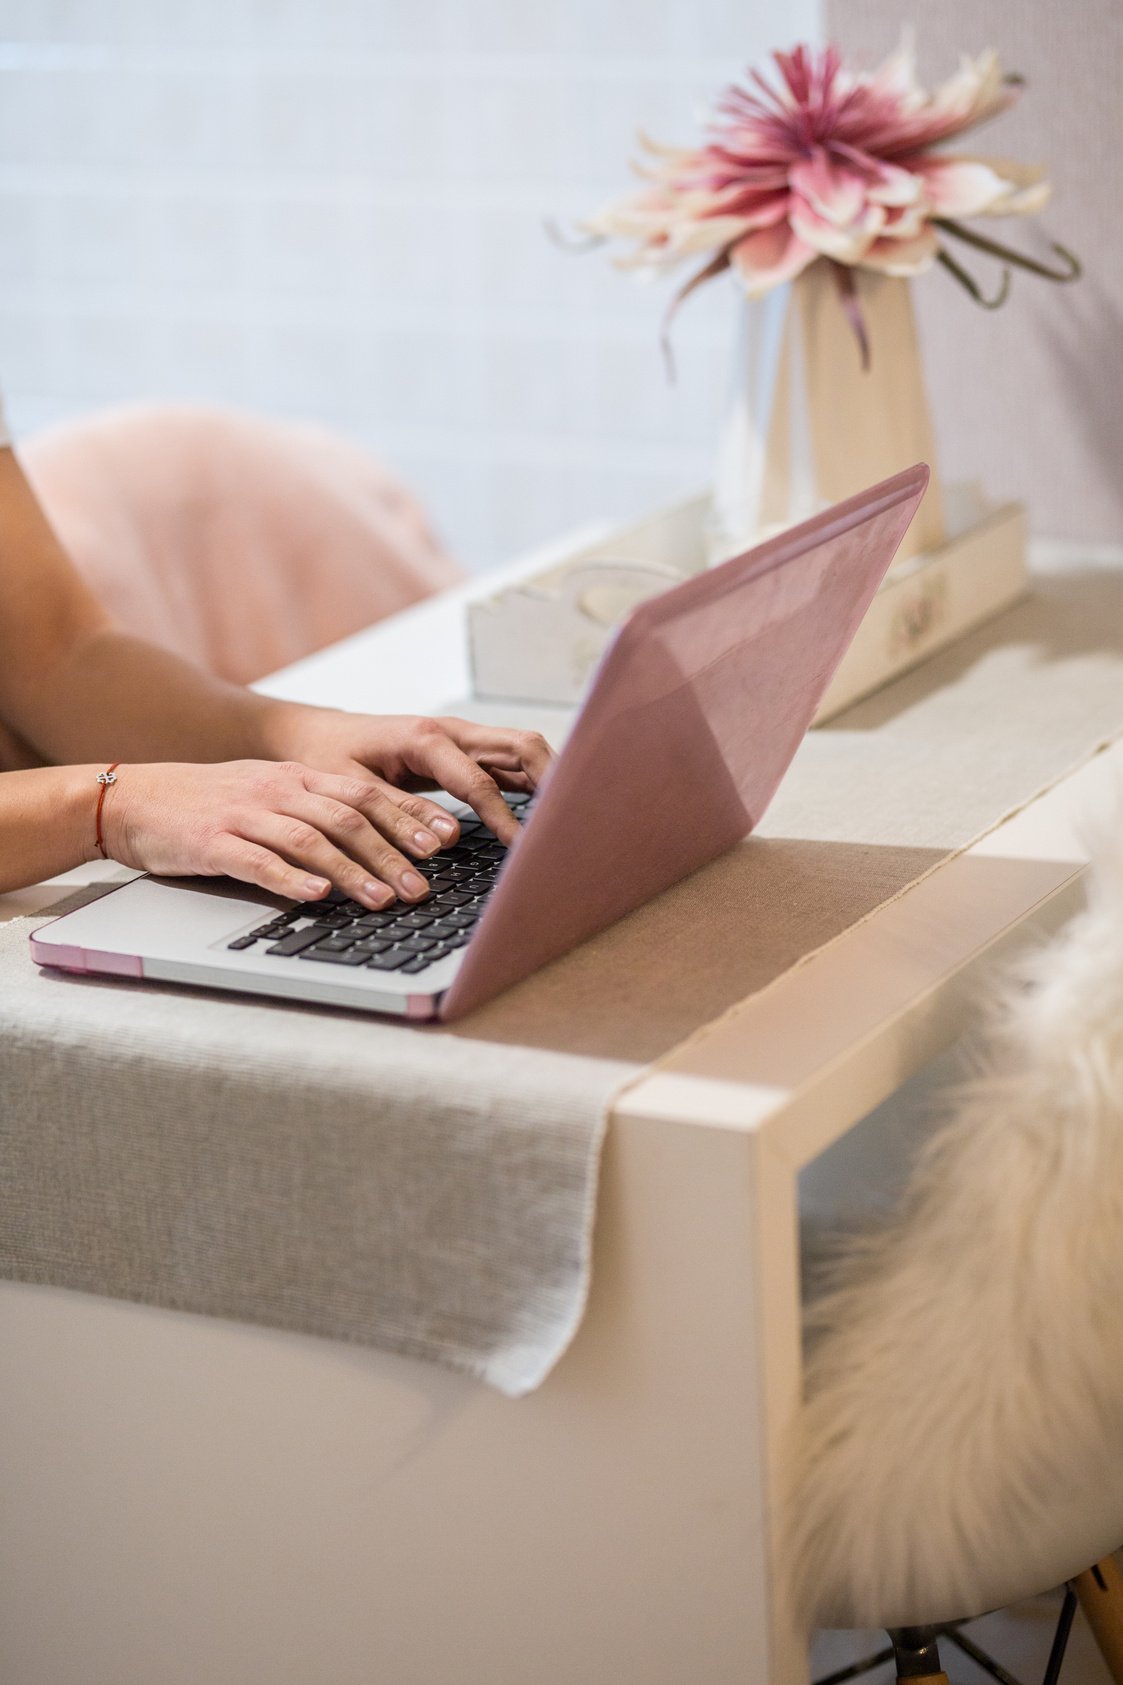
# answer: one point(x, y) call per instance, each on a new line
point(969, 283)
point(1006, 254)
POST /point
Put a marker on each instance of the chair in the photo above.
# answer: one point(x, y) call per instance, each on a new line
point(240, 542)
point(960, 1444)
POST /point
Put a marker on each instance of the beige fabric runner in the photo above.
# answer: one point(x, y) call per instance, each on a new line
point(430, 1191)
point(302, 1168)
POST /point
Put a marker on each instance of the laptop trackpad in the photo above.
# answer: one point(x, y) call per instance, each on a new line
point(163, 917)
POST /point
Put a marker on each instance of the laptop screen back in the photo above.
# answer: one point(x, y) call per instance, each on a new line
point(691, 721)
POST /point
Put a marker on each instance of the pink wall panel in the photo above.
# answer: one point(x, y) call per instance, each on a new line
point(1030, 398)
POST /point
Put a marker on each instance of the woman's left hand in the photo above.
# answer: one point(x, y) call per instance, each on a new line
point(407, 752)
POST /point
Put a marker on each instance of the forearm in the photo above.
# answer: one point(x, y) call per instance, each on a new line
point(116, 697)
point(46, 822)
point(75, 688)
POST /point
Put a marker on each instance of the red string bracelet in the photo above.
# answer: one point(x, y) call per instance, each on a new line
point(105, 779)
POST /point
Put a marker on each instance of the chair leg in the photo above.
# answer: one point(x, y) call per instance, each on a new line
point(916, 1656)
point(1100, 1590)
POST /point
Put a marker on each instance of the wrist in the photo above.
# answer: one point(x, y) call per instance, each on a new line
point(284, 728)
point(47, 818)
point(85, 792)
point(75, 808)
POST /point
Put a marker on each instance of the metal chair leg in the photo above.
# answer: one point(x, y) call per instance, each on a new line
point(917, 1656)
point(1100, 1590)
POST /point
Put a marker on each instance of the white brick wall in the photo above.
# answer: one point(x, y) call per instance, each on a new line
point(335, 208)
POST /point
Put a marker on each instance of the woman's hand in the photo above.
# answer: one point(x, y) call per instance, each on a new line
point(289, 828)
point(407, 752)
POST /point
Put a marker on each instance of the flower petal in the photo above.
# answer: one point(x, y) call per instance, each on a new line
point(1028, 189)
point(902, 257)
point(769, 256)
point(905, 222)
point(845, 244)
point(834, 192)
point(894, 185)
point(709, 234)
point(894, 120)
point(896, 75)
point(756, 210)
point(960, 186)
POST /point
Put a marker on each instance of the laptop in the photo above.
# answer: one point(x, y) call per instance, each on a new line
point(690, 721)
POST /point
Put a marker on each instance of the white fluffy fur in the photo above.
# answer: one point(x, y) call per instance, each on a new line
point(962, 1439)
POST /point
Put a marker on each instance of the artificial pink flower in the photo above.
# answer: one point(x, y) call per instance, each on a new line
point(828, 164)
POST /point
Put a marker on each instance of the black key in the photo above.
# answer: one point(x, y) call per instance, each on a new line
point(417, 918)
point(417, 945)
point(443, 928)
point(270, 929)
point(412, 967)
point(440, 953)
point(377, 921)
point(243, 941)
point(297, 940)
point(335, 944)
point(462, 921)
point(334, 898)
point(458, 939)
point(333, 956)
point(372, 945)
point(392, 960)
point(454, 898)
point(481, 885)
point(439, 885)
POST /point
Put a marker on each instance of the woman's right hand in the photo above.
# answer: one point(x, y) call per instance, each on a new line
point(277, 824)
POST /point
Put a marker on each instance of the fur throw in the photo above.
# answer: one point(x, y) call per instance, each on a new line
point(961, 1443)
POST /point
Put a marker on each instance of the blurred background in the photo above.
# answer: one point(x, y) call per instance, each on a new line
point(335, 209)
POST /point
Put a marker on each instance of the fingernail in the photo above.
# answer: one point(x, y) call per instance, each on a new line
point(316, 886)
point(425, 841)
point(413, 883)
point(445, 827)
point(378, 894)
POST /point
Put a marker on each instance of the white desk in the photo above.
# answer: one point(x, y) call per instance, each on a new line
point(188, 1501)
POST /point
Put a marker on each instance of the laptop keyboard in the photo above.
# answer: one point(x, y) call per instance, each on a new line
point(407, 937)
